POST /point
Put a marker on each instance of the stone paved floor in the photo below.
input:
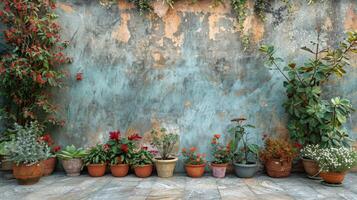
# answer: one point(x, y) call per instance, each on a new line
point(59, 187)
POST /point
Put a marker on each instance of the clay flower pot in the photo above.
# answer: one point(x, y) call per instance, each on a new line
point(96, 170)
point(333, 177)
point(72, 167)
point(119, 170)
point(28, 174)
point(143, 171)
point(277, 168)
point(165, 168)
point(5, 165)
point(311, 167)
point(195, 171)
point(245, 170)
point(219, 170)
point(49, 166)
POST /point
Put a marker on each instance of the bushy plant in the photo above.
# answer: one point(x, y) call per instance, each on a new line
point(336, 159)
point(191, 157)
point(221, 153)
point(314, 120)
point(141, 157)
point(71, 152)
point(309, 151)
point(97, 154)
point(240, 137)
point(120, 148)
point(164, 142)
point(25, 148)
point(277, 148)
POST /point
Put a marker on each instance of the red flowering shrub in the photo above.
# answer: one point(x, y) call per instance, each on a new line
point(192, 157)
point(31, 65)
point(277, 149)
point(134, 137)
point(221, 153)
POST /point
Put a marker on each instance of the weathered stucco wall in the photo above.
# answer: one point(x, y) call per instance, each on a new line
point(186, 69)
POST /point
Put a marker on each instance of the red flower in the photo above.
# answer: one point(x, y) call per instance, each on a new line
point(1, 13)
point(56, 148)
point(134, 137)
point(217, 136)
point(79, 76)
point(214, 141)
point(183, 150)
point(144, 148)
point(193, 149)
point(298, 145)
point(39, 79)
point(125, 148)
point(47, 139)
point(114, 135)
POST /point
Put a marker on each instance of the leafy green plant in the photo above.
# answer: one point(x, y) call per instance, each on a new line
point(191, 157)
point(120, 149)
point(71, 152)
point(221, 153)
point(314, 120)
point(240, 136)
point(336, 159)
point(141, 157)
point(97, 154)
point(25, 148)
point(309, 151)
point(164, 142)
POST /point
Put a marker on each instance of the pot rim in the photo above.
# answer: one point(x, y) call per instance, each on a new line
point(141, 166)
point(175, 159)
point(245, 165)
point(340, 173)
point(117, 165)
point(97, 165)
point(72, 159)
point(201, 165)
point(27, 165)
point(308, 159)
point(219, 165)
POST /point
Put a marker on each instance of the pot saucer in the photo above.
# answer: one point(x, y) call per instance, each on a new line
point(332, 184)
point(314, 177)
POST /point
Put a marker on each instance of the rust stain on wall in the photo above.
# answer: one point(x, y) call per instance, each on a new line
point(254, 27)
point(160, 8)
point(125, 5)
point(213, 25)
point(351, 19)
point(122, 34)
point(159, 60)
point(172, 23)
point(204, 6)
point(65, 7)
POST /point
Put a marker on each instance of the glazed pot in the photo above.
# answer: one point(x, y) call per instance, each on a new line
point(195, 171)
point(278, 168)
point(245, 170)
point(165, 168)
point(28, 174)
point(73, 167)
point(311, 167)
point(333, 177)
point(219, 170)
point(49, 166)
point(96, 170)
point(119, 170)
point(143, 171)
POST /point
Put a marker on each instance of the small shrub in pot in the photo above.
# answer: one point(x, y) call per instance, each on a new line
point(164, 143)
point(96, 160)
point(307, 154)
point(72, 159)
point(195, 163)
point(221, 157)
point(51, 149)
point(142, 162)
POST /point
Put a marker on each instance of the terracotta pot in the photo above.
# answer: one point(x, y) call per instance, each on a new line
point(165, 168)
point(49, 166)
point(119, 170)
point(333, 177)
point(28, 175)
point(143, 171)
point(73, 167)
point(5, 165)
point(195, 171)
point(96, 170)
point(219, 170)
point(277, 168)
point(311, 167)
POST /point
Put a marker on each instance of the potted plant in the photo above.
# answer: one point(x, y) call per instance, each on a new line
point(307, 154)
point(245, 157)
point(27, 154)
point(142, 162)
point(221, 157)
point(72, 159)
point(195, 163)
point(96, 160)
point(49, 163)
point(335, 162)
point(164, 143)
point(120, 152)
point(5, 165)
point(277, 157)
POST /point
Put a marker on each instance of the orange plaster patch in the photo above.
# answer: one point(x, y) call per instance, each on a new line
point(351, 19)
point(254, 27)
point(65, 7)
point(172, 23)
point(122, 34)
point(125, 5)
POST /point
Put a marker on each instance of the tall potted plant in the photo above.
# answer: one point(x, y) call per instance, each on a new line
point(195, 163)
point(51, 159)
point(221, 157)
point(311, 167)
point(277, 157)
point(27, 154)
point(335, 162)
point(244, 153)
point(96, 160)
point(72, 159)
point(164, 143)
point(142, 162)
point(120, 153)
